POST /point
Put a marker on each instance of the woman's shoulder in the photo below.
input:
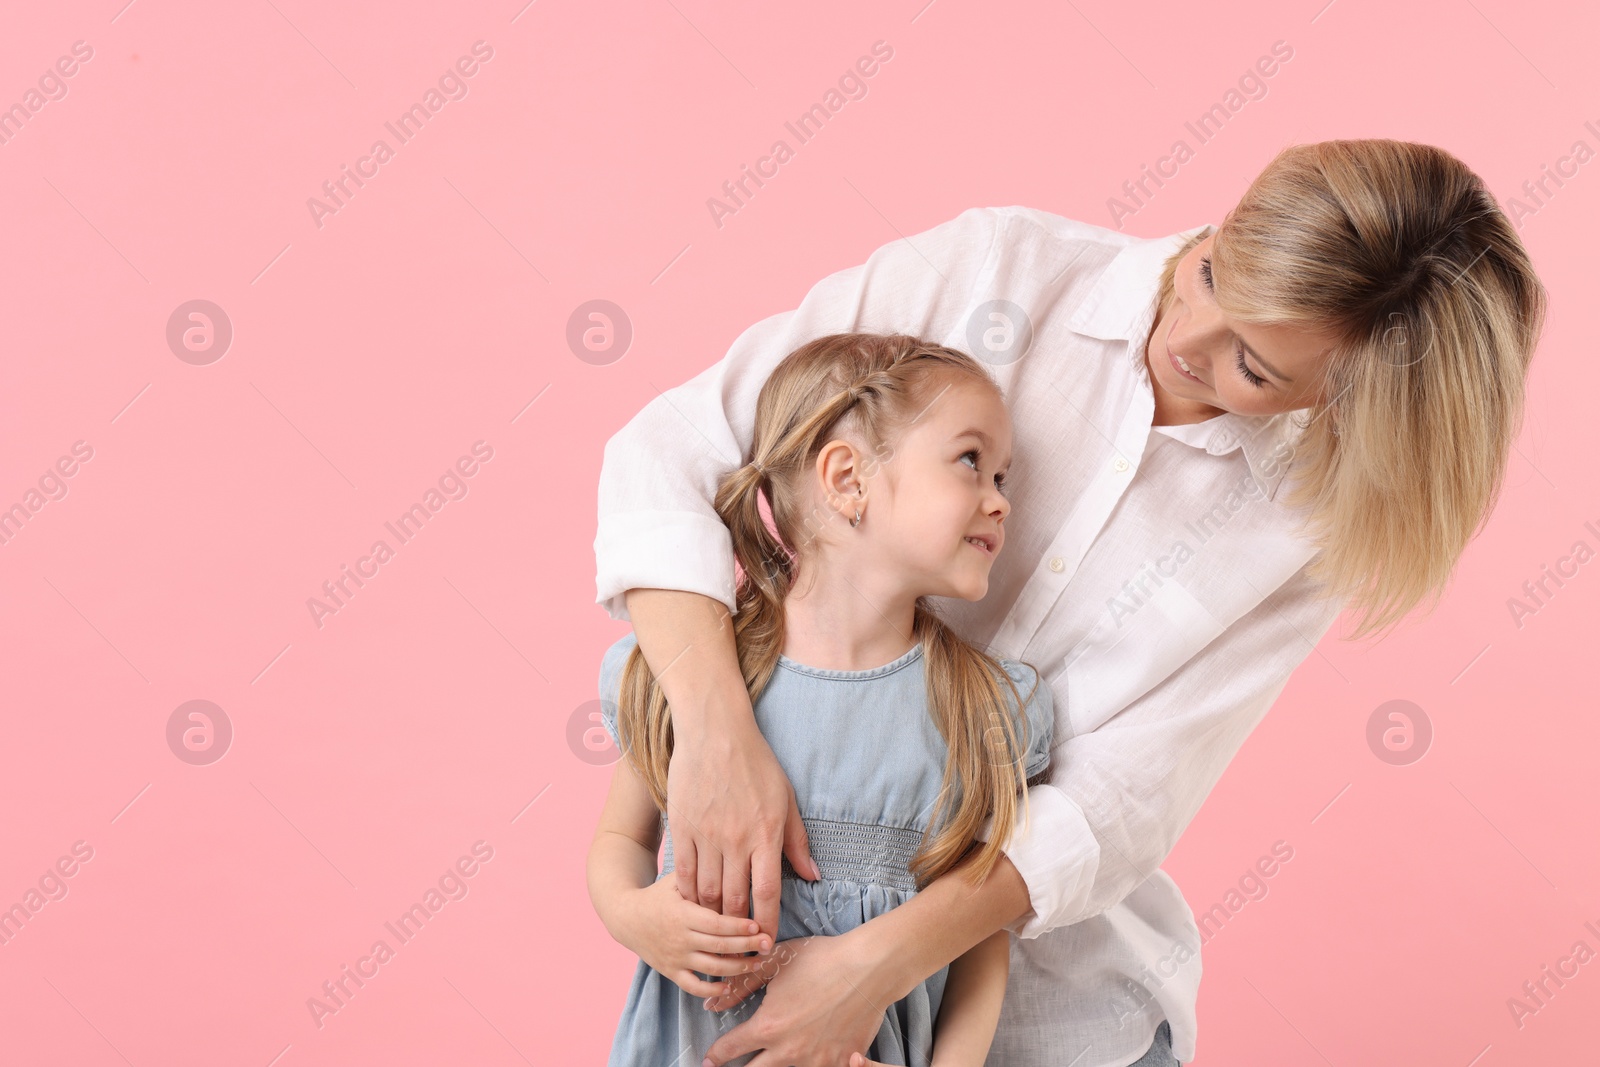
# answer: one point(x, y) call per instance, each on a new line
point(1061, 226)
point(1059, 229)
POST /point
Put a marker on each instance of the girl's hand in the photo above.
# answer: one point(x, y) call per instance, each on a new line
point(678, 937)
point(858, 1060)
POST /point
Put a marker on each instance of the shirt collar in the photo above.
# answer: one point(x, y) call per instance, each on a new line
point(1121, 307)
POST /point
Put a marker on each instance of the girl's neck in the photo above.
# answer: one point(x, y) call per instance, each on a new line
point(840, 621)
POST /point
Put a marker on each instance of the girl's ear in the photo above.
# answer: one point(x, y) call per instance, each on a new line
point(839, 471)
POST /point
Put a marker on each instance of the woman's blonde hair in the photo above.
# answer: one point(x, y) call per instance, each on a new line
point(871, 387)
point(1402, 253)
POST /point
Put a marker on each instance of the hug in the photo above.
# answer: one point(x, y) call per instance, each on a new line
point(915, 750)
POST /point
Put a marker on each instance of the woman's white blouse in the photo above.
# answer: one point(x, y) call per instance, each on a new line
point(1156, 580)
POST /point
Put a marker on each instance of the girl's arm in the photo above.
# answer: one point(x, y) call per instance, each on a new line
point(970, 1010)
point(647, 915)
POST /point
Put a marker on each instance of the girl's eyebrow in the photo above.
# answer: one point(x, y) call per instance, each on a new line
point(983, 438)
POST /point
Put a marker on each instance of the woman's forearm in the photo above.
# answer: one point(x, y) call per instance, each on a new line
point(730, 807)
point(687, 639)
point(941, 922)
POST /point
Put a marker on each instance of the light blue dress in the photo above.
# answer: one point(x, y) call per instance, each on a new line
point(866, 762)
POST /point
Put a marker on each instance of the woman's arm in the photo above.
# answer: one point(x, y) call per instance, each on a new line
point(648, 916)
point(730, 806)
point(1121, 795)
point(829, 994)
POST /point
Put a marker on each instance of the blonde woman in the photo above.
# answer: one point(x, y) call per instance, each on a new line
point(1224, 438)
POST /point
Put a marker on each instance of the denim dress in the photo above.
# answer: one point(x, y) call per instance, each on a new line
point(866, 762)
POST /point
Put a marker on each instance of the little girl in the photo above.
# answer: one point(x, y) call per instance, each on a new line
point(882, 459)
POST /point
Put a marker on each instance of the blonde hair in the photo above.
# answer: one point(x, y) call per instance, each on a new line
point(1402, 253)
point(870, 386)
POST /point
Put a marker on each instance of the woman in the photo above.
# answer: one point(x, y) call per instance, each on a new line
point(1364, 317)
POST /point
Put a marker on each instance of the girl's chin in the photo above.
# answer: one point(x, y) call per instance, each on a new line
point(975, 592)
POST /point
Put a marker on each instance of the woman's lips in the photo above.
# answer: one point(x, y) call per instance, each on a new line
point(1174, 361)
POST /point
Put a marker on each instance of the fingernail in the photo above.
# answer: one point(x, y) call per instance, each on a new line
point(816, 872)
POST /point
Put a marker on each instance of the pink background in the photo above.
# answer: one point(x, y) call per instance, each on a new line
point(433, 709)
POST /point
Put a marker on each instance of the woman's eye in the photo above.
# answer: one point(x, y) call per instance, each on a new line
point(1254, 379)
point(1244, 369)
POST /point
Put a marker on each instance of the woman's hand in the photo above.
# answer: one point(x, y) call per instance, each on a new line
point(678, 937)
point(826, 998)
point(732, 815)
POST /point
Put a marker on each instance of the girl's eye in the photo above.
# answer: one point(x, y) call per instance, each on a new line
point(999, 479)
point(1254, 379)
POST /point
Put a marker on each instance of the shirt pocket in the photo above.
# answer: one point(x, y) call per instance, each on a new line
point(1114, 665)
point(1124, 657)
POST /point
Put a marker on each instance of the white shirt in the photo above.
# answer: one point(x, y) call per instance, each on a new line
point(1155, 579)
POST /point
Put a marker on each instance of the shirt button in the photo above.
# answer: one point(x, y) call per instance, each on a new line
point(1120, 465)
point(1056, 564)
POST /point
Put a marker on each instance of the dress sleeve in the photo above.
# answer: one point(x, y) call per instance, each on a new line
point(1037, 725)
point(659, 475)
point(1120, 795)
point(611, 664)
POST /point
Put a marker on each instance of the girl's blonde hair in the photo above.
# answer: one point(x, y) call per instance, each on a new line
point(1401, 252)
point(872, 387)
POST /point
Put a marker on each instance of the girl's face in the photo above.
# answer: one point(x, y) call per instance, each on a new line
point(1232, 366)
point(932, 514)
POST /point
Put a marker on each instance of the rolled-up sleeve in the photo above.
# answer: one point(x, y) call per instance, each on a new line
point(1122, 794)
point(657, 527)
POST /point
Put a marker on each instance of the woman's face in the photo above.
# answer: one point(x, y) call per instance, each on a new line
point(1280, 365)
